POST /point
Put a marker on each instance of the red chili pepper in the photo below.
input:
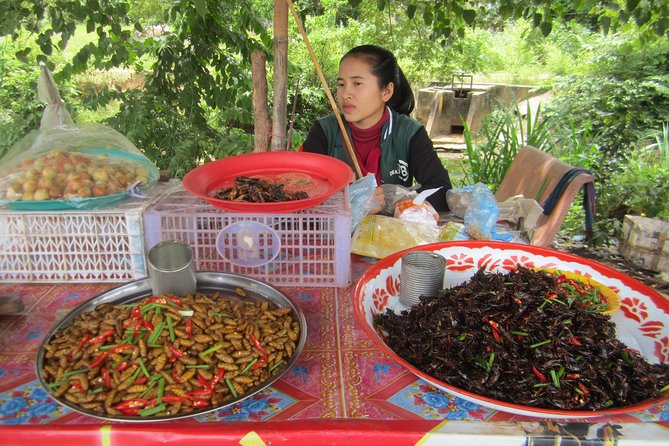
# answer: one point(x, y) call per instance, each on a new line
point(573, 375)
point(102, 338)
point(140, 380)
point(134, 403)
point(257, 345)
point(583, 388)
point(562, 279)
point(77, 385)
point(199, 402)
point(83, 341)
point(201, 392)
point(189, 328)
point(99, 360)
point(136, 319)
point(176, 353)
point(262, 362)
point(106, 376)
point(204, 382)
point(172, 299)
point(495, 329)
point(540, 375)
point(122, 348)
point(217, 377)
point(574, 340)
point(551, 296)
point(121, 366)
point(130, 412)
point(136, 313)
point(176, 376)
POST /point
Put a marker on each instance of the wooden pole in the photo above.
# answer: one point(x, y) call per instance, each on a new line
point(333, 104)
point(292, 115)
point(280, 76)
point(261, 127)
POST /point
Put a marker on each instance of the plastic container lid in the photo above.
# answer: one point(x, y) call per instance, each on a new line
point(248, 244)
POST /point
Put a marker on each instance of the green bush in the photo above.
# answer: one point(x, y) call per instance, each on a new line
point(20, 108)
point(504, 132)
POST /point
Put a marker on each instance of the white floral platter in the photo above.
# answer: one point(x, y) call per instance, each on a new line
point(642, 322)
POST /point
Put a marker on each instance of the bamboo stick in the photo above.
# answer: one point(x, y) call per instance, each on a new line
point(333, 104)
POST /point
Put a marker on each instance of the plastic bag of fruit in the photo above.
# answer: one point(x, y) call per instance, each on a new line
point(64, 165)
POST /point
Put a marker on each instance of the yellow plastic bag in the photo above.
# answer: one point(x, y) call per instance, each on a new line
point(379, 236)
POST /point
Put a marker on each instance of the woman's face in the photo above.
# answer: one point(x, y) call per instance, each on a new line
point(360, 98)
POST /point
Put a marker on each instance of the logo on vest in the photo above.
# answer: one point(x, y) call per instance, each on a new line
point(402, 170)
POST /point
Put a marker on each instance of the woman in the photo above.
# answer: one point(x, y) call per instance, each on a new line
point(376, 100)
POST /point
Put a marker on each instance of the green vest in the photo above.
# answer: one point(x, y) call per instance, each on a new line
point(395, 137)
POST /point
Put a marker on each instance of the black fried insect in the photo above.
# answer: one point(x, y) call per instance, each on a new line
point(256, 190)
point(517, 337)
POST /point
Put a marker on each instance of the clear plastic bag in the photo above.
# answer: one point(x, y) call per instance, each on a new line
point(393, 194)
point(482, 213)
point(417, 208)
point(361, 196)
point(68, 166)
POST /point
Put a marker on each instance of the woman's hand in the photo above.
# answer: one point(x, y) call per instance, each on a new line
point(376, 201)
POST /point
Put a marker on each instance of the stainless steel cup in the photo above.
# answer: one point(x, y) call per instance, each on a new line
point(171, 268)
point(421, 273)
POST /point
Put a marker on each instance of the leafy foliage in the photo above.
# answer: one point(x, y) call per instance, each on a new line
point(196, 68)
point(449, 19)
point(503, 134)
point(20, 111)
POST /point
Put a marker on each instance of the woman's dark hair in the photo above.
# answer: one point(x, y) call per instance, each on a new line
point(384, 66)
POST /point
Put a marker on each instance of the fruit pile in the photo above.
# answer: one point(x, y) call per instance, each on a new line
point(67, 175)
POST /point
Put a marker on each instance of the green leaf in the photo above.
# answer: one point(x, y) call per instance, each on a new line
point(661, 26)
point(46, 48)
point(605, 23)
point(469, 15)
point(427, 15)
point(411, 11)
point(23, 55)
point(536, 19)
point(630, 5)
point(546, 28)
point(201, 7)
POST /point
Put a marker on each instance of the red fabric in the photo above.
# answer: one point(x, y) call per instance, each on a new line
point(367, 144)
point(294, 433)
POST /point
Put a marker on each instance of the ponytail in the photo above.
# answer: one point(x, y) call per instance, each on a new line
point(384, 66)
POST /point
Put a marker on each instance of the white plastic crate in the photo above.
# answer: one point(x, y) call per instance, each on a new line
point(102, 245)
point(314, 245)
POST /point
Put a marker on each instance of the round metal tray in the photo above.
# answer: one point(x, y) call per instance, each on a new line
point(206, 282)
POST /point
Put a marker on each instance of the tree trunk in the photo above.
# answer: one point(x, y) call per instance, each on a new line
point(261, 119)
point(280, 75)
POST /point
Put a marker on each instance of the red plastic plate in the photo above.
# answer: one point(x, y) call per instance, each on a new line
point(318, 175)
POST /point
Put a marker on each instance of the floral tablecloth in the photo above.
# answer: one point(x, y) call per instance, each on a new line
point(342, 389)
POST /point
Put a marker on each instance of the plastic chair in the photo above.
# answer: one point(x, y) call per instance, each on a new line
point(535, 174)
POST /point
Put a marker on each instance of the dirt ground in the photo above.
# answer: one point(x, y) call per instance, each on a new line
point(609, 256)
